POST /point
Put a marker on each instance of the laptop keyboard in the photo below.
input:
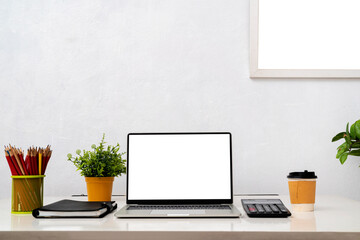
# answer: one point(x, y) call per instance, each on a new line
point(179, 207)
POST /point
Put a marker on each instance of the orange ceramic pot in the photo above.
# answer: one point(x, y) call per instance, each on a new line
point(99, 188)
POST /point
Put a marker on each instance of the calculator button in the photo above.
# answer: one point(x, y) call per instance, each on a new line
point(267, 208)
point(274, 208)
point(260, 208)
point(282, 208)
point(252, 208)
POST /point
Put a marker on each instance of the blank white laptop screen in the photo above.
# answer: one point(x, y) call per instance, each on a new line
point(179, 166)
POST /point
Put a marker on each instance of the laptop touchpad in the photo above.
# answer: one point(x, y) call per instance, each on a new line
point(177, 212)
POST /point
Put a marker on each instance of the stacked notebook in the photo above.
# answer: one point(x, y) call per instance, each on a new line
point(75, 209)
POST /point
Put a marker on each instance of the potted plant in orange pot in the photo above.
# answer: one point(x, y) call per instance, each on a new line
point(99, 167)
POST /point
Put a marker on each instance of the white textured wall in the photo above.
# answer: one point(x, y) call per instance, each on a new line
point(71, 70)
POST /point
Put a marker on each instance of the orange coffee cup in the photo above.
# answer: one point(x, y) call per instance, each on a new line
point(302, 188)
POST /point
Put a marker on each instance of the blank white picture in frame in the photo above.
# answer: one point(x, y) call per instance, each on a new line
point(305, 38)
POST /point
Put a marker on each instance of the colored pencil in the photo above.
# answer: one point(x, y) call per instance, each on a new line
point(27, 163)
point(47, 159)
point(35, 162)
point(40, 159)
point(21, 159)
point(11, 166)
point(15, 164)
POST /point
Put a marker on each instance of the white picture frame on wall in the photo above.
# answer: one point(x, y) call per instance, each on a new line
point(304, 39)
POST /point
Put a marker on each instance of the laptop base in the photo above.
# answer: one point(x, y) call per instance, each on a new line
point(232, 212)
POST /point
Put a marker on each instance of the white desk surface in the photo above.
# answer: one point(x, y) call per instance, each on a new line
point(334, 218)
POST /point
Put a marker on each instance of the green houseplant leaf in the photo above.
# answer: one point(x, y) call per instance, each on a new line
point(357, 128)
point(341, 151)
point(355, 145)
point(353, 132)
point(347, 135)
point(343, 157)
point(355, 152)
point(351, 146)
point(338, 136)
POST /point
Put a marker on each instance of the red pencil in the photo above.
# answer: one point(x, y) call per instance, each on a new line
point(12, 168)
point(32, 153)
point(27, 163)
point(15, 164)
point(43, 160)
point(21, 159)
point(17, 160)
point(36, 161)
point(47, 160)
point(8, 157)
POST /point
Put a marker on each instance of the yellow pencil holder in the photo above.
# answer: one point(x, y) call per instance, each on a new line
point(27, 193)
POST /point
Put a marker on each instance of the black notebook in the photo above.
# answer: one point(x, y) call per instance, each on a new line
point(75, 209)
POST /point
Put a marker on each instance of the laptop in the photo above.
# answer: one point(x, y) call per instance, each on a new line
point(179, 175)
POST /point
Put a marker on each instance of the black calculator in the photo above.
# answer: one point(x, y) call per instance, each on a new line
point(265, 208)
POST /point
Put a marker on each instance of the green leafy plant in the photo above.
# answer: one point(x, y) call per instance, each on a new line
point(351, 146)
point(100, 162)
